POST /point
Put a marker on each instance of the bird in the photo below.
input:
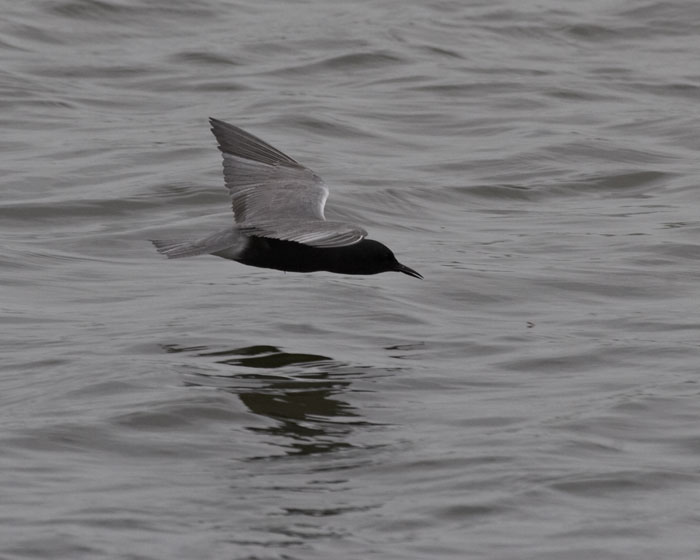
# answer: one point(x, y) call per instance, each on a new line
point(279, 222)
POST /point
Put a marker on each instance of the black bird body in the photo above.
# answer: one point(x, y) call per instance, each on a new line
point(279, 220)
point(364, 257)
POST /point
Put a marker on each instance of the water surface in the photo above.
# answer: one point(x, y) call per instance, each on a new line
point(536, 396)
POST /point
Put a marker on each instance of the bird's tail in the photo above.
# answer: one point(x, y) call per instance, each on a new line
point(227, 243)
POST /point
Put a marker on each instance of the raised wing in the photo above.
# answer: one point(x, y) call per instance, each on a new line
point(273, 195)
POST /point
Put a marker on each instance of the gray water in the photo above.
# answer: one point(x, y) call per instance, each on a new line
point(535, 397)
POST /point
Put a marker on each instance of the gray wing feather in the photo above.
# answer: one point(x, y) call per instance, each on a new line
point(272, 193)
point(238, 142)
point(261, 192)
point(317, 233)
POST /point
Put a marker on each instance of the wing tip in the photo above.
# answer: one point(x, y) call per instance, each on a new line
point(237, 142)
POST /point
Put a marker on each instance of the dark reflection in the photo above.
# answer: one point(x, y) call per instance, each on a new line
point(308, 418)
point(298, 391)
point(263, 357)
point(174, 349)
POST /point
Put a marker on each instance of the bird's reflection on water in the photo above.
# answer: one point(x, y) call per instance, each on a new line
point(300, 392)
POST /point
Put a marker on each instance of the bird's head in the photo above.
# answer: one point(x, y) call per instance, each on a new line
point(381, 258)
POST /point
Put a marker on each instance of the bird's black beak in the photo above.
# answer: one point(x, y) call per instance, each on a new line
point(403, 268)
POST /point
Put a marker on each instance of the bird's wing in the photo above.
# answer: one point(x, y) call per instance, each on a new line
point(271, 192)
point(317, 233)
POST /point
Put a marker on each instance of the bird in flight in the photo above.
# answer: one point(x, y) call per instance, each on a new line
point(279, 221)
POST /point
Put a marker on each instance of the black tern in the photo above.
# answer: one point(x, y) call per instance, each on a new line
point(279, 221)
